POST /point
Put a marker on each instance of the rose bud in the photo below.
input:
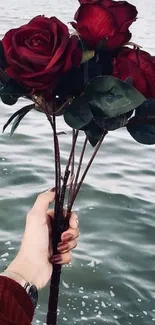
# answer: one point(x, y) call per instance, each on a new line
point(140, 66)
point(98, 20)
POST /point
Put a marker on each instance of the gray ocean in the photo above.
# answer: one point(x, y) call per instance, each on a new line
point(112, 276)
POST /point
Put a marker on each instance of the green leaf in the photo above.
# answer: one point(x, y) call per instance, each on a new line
point(93, 133)
point(78, 113)
point(110, 97)
point(142, 126)
point(147, 109)
point(111, 124)
point(8, 99)
point(19, 115)
point(3, 63)
point(4, 78)
point(10, 90)
point(16, 122)
point(144, 134)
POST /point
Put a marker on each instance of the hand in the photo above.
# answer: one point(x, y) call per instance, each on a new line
point(33, 261)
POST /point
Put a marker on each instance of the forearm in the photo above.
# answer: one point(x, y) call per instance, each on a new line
point(20, 265)
point(31, 269)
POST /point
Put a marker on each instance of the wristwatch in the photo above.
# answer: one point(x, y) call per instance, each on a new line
point(32, 291)
point(30, 288)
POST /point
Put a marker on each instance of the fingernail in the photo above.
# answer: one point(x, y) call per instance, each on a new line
point(63, 247)
point(53, 189)
point(67, 237)
point(56, 259)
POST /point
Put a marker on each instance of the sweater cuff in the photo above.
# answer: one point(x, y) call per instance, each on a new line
point(15, 304)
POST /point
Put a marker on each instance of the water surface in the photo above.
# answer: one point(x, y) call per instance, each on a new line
point(112, 277)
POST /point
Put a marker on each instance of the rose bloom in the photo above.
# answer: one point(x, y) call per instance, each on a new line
point(140, 66)
point(97, 20)
point(39, 52)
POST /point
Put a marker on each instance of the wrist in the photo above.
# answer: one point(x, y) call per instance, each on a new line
point(30, 288)
point(24, 269)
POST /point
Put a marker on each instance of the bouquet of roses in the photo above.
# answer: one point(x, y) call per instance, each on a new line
point(95, 78)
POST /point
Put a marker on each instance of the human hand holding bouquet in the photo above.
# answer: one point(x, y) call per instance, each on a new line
point(92, 79)
point(33, 261)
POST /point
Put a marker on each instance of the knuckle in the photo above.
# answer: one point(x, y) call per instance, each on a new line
point(77, 232)
point(68, 258)
point(75, 244)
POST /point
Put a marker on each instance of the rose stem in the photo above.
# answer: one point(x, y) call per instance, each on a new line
point(72, 150)
point(44, 110)
point(57, 167)
point(80, 164)
point(72, 170)
point(54, 294)
point(56, 151)
point(63, 105)
point(66, 176)
point(55, 281)
point(85, 172)
point(59, 202)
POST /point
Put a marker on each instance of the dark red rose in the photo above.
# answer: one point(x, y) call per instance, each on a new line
point(39, 52)
point(140, 66)
point(97, 20)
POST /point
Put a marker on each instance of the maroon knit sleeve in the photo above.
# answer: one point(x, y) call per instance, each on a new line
point(16, 307)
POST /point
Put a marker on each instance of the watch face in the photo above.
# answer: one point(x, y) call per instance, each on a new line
point(33, 293)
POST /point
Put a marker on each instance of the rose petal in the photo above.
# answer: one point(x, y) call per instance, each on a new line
point(139, 65)
point(42, 23)
point(124, 12)
point(94, 23)
point(89, 1)
point(74, 56)
point(118, 39)
point(59, 53)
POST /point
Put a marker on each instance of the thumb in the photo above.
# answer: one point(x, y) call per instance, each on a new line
point(42, 202)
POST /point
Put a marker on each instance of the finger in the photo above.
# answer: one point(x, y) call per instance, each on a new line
point(73, 231)
point(42, 202)
point(70, 235)
point(49, 219)
point(50, 246)
point(73, 221)
point(62, 258)
point(66, 247)
point(50, 213)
